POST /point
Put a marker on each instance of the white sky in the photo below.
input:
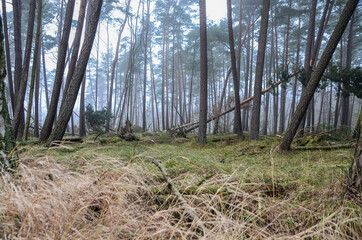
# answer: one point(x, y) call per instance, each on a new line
point(216, 9)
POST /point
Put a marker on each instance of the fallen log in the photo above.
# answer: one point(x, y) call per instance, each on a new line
point(189, 210)
point(331, 147)
point(195, 124)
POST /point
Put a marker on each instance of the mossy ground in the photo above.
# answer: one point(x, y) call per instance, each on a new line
point(301, 190)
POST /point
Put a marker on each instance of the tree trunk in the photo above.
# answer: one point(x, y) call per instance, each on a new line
point(8, 60)
point(145, 67)
point(37, 93)
point(317, 74)
point(237, 114)
point(17, 46)
point(345, 99)
point(62, 52)
point(76, 43)
point(355, 172)
point(71, 95)
point(114, 64)
point(295, 84)
point(308, 54)
point(7, 142)
point(255, 118)
point(203, 73)
point(44, 73)
point(82, 130)
point(19, 108)
point(34, 68)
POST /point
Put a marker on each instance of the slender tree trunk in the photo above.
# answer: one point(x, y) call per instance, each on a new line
point(144, 123)
point(295, 84)
point(8, 60)
point(114, 64)
point(283, 95)
point(345, 99)
point(255, 118)
point(71, 96)
point(44, 73)
point(318, 73)
point(34, 67)
point(308, 54)
point(17, 46)
point(82, 130)
point(237, 114)
point(203, 73)
point(62, 50)
point(37, 92)
point(76, 43)
point(19, 108)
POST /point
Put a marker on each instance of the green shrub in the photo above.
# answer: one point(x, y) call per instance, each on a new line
point(97, 120)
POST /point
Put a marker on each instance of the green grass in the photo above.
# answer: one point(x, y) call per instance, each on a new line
point(245, 185)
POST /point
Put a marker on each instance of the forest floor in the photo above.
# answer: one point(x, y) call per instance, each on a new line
point(110, 189)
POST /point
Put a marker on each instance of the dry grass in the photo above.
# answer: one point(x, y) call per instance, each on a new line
point(126, 198)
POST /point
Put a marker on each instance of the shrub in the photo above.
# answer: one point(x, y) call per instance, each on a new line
point(97, 120)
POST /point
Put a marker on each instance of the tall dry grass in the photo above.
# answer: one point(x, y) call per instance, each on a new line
point(45, 200)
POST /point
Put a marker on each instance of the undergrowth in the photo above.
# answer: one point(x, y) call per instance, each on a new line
point(240, 190)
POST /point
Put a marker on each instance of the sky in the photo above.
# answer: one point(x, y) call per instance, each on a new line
point(215, 9)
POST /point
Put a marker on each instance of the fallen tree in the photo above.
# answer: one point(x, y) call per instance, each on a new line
point(193, 125)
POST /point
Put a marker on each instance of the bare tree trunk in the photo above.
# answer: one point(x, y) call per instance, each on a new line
point(114, 64)
point(295, 84)
point(318, 73)
point(82, 130)
point(17, 46)
point(145, 67)
point(237, 114)
point(345, 99)
point(45, 73)
point(62, 50)
point(283, 95)
point(8, 60)
point(203, 73)
point(71, 96)
point(19, 108)
point(308, 53)
point(7, 141)
point(34, 67)
point(255, 118)
point(355, 172)
point(37, 92)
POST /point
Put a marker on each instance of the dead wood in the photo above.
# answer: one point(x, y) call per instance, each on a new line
point(194, 125)
point(189, 210)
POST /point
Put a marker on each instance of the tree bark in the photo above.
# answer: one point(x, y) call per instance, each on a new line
point(44, 72)
point(17, 46)
point(255, 118)
point(317, 74)
point(19, 108)
point(114, 64)
point(237, 113)
point(7, 141)
point(308, 54)
point(8, 59)
point(345, 99)
point(62, 52)
point(71, 95)
point(144, 126)
point(34, 68)
point(203, 73)
point(355, 172)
